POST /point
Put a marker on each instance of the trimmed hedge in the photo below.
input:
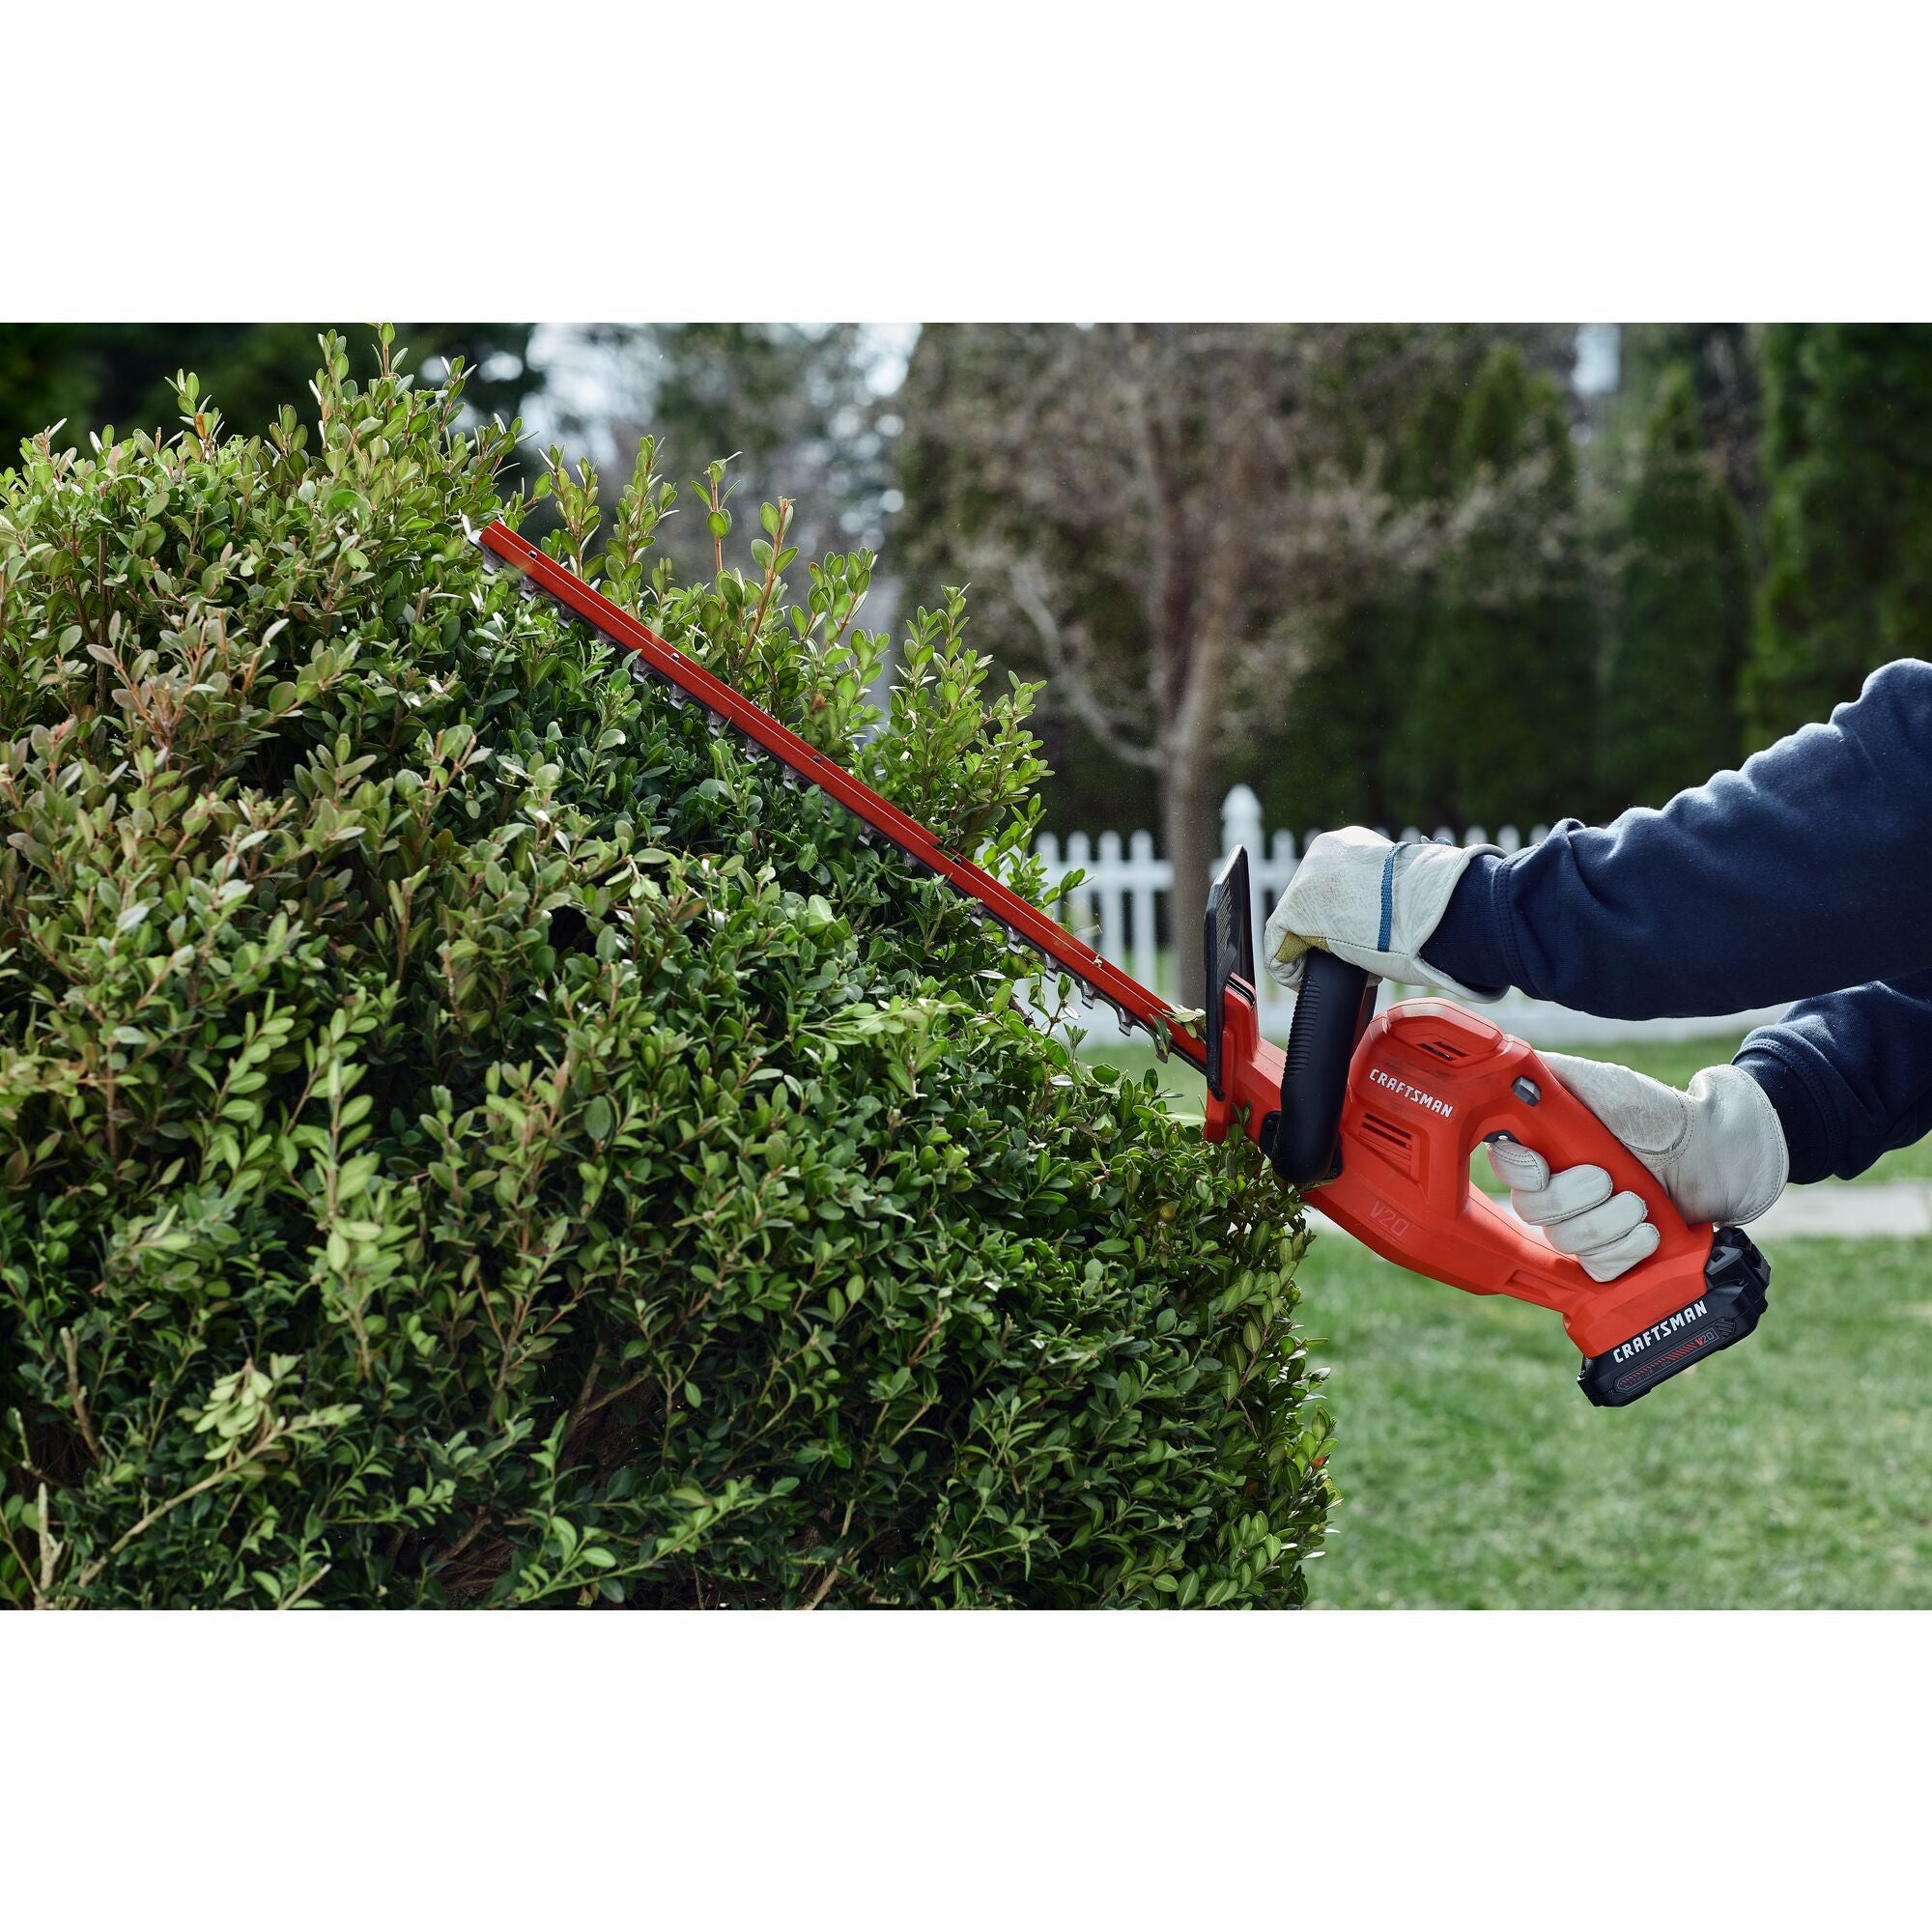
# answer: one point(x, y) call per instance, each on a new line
point(470, 1136)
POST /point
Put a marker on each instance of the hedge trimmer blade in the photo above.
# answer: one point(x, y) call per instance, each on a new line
point(1027, 930)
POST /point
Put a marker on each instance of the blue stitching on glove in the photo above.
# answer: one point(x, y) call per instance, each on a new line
point(1388, 899)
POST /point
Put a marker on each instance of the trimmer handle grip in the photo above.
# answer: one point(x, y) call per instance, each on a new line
point(1428, 1084)
point(1332, 1010)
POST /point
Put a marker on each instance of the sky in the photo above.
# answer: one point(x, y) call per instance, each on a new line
point(586, 382)
point(1597, 358)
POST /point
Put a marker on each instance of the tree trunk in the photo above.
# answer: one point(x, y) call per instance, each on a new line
point(1201, 512)
point(1190, 827)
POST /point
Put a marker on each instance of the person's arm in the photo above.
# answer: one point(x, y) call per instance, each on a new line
point(1850, 1075)
point(1807, 871)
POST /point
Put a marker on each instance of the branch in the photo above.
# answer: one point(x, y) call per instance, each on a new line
point(1070, 678)
point(77, 1396)
point(153, 1517)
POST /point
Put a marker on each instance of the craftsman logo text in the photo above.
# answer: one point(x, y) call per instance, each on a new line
point(1637, 1343)
point(1409, 1092)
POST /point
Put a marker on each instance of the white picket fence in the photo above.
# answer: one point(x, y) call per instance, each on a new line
point(1115, 910)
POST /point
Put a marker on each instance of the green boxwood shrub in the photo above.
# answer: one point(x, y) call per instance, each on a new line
point(471, 1136)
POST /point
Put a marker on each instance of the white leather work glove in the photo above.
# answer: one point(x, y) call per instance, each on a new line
point(1370, 902)
point(1718, 1150)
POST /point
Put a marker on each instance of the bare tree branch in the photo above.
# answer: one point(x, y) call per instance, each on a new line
point(1179, 514)
point(1069, 672)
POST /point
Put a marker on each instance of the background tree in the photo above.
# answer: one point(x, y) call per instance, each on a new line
point(90, 375)
point(1497, 725)
point(1848, 529)
point(1168, 519)
point(797, 408)
point(1723, 364)
point(1680, 618)
point(1367, 736)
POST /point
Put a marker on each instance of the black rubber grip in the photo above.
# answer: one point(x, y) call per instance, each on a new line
point(1331, 1013)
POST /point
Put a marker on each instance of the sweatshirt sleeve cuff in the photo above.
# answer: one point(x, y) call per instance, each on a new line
point(1801, 1112)
point(1470, 943)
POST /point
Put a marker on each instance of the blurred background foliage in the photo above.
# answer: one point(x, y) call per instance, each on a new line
point(89, 376)
point(1405, 575)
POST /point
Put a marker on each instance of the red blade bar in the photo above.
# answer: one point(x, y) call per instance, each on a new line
point(1027, 924)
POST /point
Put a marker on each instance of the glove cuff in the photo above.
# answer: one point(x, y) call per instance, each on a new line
point(1418, 882)
point(1730, 1107)
point(1371, 903)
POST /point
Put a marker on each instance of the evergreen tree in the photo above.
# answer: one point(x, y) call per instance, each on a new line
point(1681, 612)
point(1848, 534)
point(1340, 760)
point(1326, 767)
point(1723, 364)
point(1497, 729)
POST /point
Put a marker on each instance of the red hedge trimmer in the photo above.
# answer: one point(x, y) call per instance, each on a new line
point(1376, 1117)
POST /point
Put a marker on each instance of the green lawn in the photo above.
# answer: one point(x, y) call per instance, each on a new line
point(1794, 1469)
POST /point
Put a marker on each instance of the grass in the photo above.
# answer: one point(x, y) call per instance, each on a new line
point(1794, 1470)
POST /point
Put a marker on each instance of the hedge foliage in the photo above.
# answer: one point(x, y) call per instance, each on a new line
point(468, 1135)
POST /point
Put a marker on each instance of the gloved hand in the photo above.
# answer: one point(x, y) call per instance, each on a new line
point(1718, 1151)
point(1370, 902)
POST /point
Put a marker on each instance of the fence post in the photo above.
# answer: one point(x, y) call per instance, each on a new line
point(1242, 825)
point(1241, 821)
point(1147, 960)
point(1080, 906)
point(1113, 925)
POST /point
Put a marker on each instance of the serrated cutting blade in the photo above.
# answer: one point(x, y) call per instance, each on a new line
point(1029, 930)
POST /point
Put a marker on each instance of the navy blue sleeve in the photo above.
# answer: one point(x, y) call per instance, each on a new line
point(1807, 875)
point(1850, 1075)
point(1807, 871)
